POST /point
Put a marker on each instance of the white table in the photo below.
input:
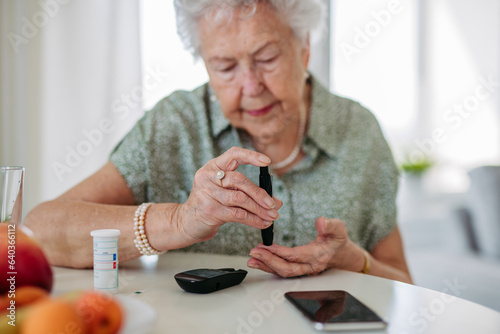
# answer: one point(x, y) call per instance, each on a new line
point(257, 305)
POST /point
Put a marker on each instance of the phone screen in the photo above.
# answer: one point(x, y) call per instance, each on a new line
point(335, 309)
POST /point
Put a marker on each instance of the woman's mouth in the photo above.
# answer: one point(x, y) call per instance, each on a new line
point(260, 112)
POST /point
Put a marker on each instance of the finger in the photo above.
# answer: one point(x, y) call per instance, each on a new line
point(299, 254)
point(215, 206)
point(279, 265)
point(235, 156)
point(278, 202)
point(238, 181)
point(330, 228)
point(239, 199)
point(320, 225)
point(317, 255)
point(256, 264)
point(227, 214)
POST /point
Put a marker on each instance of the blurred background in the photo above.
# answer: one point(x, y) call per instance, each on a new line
point(75, 75)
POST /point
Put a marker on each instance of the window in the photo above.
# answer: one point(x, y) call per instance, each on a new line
point(419, 66)
point(163, 49)
point(374, 62)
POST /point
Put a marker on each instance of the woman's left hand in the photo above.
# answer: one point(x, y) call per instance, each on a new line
point(332, 248)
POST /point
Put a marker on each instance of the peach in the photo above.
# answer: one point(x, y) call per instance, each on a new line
point(101, 313)
point(52, 316)
point(24, 298)
point(6, 328)
point(24, 295)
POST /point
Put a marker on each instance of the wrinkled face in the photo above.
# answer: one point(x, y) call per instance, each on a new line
point(257, 69)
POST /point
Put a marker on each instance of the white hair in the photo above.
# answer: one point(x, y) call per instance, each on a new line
point(305, 17)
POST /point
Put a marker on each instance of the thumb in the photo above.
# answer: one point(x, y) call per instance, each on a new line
point(320, 225)
point(330, 227)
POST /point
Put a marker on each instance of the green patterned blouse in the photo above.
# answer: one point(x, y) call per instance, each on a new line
point(348, 172)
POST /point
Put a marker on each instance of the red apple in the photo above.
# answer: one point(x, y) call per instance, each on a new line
point(22, 261)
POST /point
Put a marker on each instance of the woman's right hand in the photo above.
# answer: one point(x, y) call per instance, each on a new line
point(237, 199)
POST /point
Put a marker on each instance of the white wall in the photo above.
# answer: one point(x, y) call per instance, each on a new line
point(70, 88)
point(374, 61)
point(20, 98)
point(460, 50)
point(161, 47)
point(412, 62)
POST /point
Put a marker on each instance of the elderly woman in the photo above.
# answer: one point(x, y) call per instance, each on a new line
point(196, 157)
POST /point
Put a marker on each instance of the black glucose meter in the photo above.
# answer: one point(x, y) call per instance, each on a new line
point(209, 280)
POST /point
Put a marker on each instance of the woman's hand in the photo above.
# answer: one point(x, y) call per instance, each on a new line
point(332, 248)
point(234, 198)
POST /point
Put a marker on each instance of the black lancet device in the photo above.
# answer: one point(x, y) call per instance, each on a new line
point(265, 183)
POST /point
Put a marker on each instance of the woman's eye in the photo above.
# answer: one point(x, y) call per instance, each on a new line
point(227, 68)
point(267, 60)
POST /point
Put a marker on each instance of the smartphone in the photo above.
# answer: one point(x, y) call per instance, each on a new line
point(335, 310)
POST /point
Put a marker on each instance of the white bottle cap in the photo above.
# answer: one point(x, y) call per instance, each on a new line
point(105, 233)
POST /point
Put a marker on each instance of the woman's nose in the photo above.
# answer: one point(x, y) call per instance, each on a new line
point(252, 83)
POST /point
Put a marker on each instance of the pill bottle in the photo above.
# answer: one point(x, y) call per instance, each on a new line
point(106, 260)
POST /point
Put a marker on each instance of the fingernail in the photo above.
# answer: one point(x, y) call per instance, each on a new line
point(273, 213)
point(265, 159)
point(328, 224)
point(270, 202)
point(267, 224)
point(253, 266)
point(255, 255)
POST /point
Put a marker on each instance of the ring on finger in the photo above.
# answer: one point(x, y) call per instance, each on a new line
point(220, 175)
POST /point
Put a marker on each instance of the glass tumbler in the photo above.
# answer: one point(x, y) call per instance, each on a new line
point(11, 195)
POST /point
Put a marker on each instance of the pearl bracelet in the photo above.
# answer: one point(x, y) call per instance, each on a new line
point(141, 240)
